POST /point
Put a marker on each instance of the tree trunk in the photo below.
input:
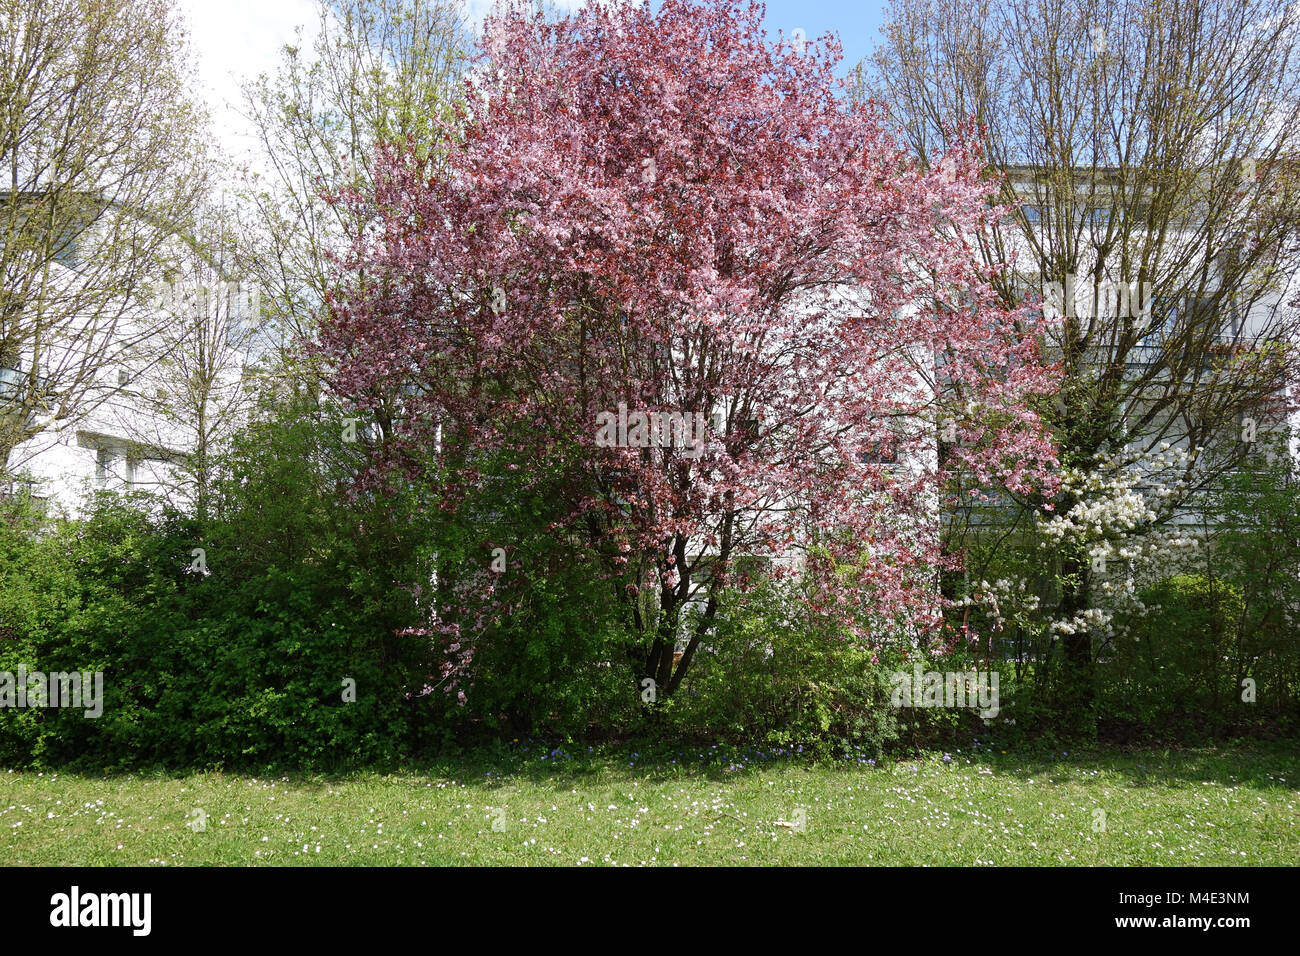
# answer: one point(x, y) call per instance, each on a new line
point(1076, 681)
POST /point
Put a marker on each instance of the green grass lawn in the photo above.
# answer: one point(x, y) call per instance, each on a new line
point(612, 807)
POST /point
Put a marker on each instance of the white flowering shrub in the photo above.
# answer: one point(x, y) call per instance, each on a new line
point(1183, 595)
point(1122, 532)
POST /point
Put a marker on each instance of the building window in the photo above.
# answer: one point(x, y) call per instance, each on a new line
point(113, 467)
point(1234, 321)
point(105, 465)
point(64, 251)
point(11, 380)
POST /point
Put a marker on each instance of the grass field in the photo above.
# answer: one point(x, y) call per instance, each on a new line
point(613, 807)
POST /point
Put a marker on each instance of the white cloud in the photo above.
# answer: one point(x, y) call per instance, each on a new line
point(234, 41)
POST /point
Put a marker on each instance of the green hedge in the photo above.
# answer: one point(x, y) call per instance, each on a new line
point(198, 669)
point(1176, 671)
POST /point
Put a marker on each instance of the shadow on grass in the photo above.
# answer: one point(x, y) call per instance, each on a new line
point(1259, 765)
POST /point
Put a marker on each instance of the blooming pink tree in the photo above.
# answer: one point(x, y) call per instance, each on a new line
point(665, 256)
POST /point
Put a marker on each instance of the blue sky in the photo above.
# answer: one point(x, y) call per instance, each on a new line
point(856, 21)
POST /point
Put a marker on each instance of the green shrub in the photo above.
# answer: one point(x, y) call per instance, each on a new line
point(196, 669)
point(242, 662)
point(771, 675)
point(1173, 671)
point(1256, 545)
point(548, 648)
point(305, 586)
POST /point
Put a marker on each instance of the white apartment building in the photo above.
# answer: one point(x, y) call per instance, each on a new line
point(1183, 285)
point(137, 372)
